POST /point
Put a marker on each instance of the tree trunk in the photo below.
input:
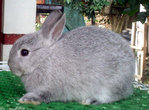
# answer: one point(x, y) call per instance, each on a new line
point(93, 18)
point(120, 22)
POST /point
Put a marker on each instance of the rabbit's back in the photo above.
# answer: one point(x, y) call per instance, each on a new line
point(90, 40)
point(93, 43)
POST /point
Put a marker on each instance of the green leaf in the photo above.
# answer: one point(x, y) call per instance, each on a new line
point(142, 16)
point(130, 11)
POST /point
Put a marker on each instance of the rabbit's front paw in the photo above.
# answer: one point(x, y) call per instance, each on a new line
point(30, 98)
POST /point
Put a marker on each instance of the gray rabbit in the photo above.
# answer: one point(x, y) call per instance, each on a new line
point(89, 65)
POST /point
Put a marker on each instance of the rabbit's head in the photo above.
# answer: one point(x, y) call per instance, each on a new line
point(28, 51)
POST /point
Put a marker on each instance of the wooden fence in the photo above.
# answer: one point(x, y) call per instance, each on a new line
point(139, 44)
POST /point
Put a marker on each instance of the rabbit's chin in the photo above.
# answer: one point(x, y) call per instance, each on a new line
point(17, 72)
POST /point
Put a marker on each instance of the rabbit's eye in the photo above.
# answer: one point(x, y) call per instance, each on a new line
point(24, 52)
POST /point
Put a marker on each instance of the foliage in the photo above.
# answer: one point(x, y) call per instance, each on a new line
point(132, 7)
point(88, 7)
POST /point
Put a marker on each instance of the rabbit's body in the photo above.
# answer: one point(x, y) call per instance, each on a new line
point(90, 65)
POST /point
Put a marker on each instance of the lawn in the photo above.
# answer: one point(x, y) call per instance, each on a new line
point(11, 89)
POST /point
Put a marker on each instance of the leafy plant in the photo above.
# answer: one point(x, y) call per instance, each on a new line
point(88, 7)
point(132, 7)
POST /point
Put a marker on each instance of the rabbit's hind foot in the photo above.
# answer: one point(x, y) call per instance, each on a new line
point(30, 98)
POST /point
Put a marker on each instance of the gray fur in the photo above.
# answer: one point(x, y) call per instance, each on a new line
point(88, 65)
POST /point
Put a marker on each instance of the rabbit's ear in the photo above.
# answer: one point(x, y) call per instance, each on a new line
point(53, 26)
point(57, 29)
point(50, 21)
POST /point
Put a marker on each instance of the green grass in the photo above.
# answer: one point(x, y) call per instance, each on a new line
point(11, 89)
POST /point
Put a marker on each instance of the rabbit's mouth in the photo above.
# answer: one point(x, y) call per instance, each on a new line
point(15, 70)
